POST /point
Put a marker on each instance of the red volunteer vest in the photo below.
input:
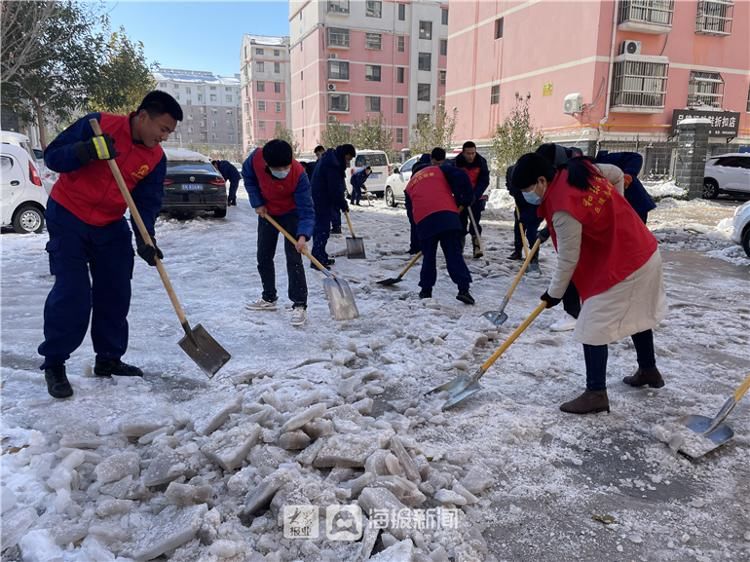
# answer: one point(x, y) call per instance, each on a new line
point(278, 194)
point(430, 193)
point(614, 243)
point(473, 174)
point(90, 192)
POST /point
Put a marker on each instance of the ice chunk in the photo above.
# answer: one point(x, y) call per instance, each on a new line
point(450, 497)
point(187, 494)
point(80, 439)
point(476, 480)
point(404, 458)
point(348, 450)
point(259, 498)
point(229, 448)
point(126, 488)
point(399, 552)
point(39, 546)
point(171, 528)
point(405, 490)
point(470, 498)
point(358, 484)
point(118, 466)
point(378, 498)
point(110, 506)
point(7, 499)
point(208, 413)
point(296, 422)
point(140, 425)
point(307, 457)
point(294, 440)
point(376, 462)
point(16, 523)
point(163, 468)
point(318, 428)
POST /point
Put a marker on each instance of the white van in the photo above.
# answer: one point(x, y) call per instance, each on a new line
point(381, 169)
point(22, 195)
point(37, 156)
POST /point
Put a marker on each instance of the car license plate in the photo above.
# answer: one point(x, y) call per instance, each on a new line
point(192, 187)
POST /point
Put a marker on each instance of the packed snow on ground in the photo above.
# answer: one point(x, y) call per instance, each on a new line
point(193, 468)
point(666, 188)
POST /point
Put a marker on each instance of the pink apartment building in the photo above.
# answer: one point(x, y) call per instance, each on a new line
point(613, 74)
point(359, 59)
point(264, 88)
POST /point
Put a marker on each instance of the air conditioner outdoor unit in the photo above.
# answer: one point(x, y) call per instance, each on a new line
point(331, 87)
point(333, 56)
point(573, 103)
point(630, 47)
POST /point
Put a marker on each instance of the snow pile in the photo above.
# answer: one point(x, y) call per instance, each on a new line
point(184, 155)
point(662, 189)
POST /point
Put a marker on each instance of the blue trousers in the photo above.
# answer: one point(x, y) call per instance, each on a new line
point(596, 359)
point(335, 218)
point(450, 242)
point(93, 266)
point(268, 237)
point(321, 232)
point(232, 195)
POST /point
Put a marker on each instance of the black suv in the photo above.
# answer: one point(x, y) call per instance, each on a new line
point(193, 185)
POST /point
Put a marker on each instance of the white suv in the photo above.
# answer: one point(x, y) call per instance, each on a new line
point(727, 173)
point(23, 197)
point(396, 182)
point(741, 227)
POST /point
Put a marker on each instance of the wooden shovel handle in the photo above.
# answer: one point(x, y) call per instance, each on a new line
point(289, 237)
point(142, 229)
point(524, 241)
point(411, 263)
point(349, 222)
point(476, 230)
point(742, 389)
point(513, 337)
point(521, 271)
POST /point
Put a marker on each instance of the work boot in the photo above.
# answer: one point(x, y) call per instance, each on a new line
point(650, 377)
point(465, 297)
point(477, 248)
point(516, 256)
point(57, 382)
point(109, 367)
point(590, 402)
point(425, 293)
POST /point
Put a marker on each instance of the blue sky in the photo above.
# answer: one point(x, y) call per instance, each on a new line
point(203, 35)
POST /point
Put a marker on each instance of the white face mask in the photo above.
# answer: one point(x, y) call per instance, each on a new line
point(531, 197)
point(280, 174)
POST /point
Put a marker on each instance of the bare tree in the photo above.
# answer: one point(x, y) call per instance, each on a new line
point(515, 136)
point(435, 131)
point(23, 26)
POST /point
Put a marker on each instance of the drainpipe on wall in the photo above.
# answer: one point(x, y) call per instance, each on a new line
point(609, 77)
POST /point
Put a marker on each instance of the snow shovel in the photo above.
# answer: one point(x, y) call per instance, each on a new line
point(394, 280)
point(476, 230)
point(463, 386)
point(355, 247)
point(498, 317)
point(340, 297)
point(521, 229)
point(199, 345)
point(713, 432)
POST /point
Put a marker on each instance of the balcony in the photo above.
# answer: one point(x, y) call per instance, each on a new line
point(639, 84)
point(714, 17)
point(646, 16)
point(338, 7)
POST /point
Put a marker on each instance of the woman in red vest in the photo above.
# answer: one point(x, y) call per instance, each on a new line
point(613, 260)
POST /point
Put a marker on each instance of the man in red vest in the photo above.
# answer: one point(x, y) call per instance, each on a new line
point(278, 186)
point(475, 166)
point(433, 196)
point(90, 248)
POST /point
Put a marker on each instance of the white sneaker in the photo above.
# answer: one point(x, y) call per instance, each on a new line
point(261, 304)
point(299, 316)
point(565, 324)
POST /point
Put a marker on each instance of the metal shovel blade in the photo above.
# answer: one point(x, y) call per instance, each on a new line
point(704, 442)
point(355, 248)
point(497, 317)
point(452, 386)
point(389, 282)
point(202, 348)
point(340, 299)
point(458, 397)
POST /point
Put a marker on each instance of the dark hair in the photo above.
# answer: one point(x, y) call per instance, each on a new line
point(346, 150)
point(158, 103)
point(529, 168)
point(368, 168)
point(581, 170)
point(438, 154)
point(319, 148)
point(468, 144)
point(277, 153)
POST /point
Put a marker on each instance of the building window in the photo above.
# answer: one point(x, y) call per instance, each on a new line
point(277, 67)
point(261, 105)
point(402, 12)
point(401, 44)
point(499, 24)
point(647, 11)
point(400, 136)
point(425, 61)
point(442, 77)
point(301, 74)
point(277, 87)
point(278, 107)
point(177, 96)
point(423, 92)
point(705, 89)
point(337, 37)
point(262, 125)
point(259, 52)
point(338, 6)
point(259, 66)
point(276, 53)
point(714, 17)
point(399, 105)
point(372, 103)
point(373, 41)
point(425, 30)
point(260, 86)
point(373, 8)
point(200, 97)
point(338, 70)
point(400, 75)
point(495, 94)
point(229, 99)
point(639, 84)
point(444, 16)
point(372, 72)
point(338, 102)
point(213, 97)
point(212, 88)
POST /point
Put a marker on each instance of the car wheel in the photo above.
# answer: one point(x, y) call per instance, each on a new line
point(710, 189)
point(220, 213)
point(746, 241)
point(390, 200)
point(28, 218)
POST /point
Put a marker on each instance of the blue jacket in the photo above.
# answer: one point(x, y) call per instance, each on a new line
point(302, 197)
point(328, 181)
point(359, 178)
point(310, 168)
point(630, 163)
point(228, 172)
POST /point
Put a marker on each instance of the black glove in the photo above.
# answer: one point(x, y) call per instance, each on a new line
point(551, 301)
point(149, 253)
point(543, 235)
point(96, 148)
point(345, 206)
